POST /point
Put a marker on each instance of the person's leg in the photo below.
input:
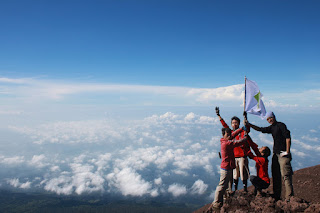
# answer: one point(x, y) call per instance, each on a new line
point(230, 182)
point(286, 173)
point(236, 174)
point(276, 177)
point(253, 181)
point(222, 186)
point(244, 171)
point(258, 184)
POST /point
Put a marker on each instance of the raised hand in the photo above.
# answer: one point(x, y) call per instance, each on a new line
point(217, 111)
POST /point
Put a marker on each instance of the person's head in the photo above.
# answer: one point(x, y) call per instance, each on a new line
point(265, 151)
point(226, 133)
point(271, 118)
point(235, 122)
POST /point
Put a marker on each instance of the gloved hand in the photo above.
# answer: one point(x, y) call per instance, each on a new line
point(245, 114)
point(217, 111)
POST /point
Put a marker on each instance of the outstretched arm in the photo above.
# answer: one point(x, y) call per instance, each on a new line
point(237, 143)
point(254, 127)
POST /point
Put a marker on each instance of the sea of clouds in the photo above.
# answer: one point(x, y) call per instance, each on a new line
point(164, 155)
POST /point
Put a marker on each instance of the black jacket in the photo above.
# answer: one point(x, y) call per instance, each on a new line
point(279, 133)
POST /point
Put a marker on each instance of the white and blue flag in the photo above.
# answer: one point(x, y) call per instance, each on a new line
point(253, 102)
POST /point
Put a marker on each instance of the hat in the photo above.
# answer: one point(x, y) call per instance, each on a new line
point(270, 114)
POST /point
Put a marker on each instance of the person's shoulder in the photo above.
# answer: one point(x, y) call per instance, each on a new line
point(279, 123)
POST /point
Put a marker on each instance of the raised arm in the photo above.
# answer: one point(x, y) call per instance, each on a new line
point(254, 146)
point(221, 119)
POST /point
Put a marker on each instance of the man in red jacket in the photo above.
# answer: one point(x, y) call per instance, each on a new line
point(227, 164)
point(240, 153)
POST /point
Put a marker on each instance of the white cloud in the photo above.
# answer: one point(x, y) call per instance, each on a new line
point(55, 168)
point(303, 145)
point(199, 187)
point(38, 161)
point(60, 185)
point(308, 138)
point(82, 179)
point(296, 152)
point(158, 181)
point(266, 139)
point(12, 160)
point(85, 180)
point(230, 93)
point(16, 183)
point(57, 90)
point(177, 189)
point(129, 182)
point(26, 185)
point(71, 132)
point(274, 104)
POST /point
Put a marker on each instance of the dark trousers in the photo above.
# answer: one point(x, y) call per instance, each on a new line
point(258, 183)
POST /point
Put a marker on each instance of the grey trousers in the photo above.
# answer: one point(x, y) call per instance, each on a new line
point(281, 169)
point(225, 177)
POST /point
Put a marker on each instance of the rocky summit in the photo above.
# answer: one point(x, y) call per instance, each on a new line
point(306, 183)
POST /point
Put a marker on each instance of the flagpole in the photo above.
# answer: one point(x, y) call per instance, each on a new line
point(245, 94)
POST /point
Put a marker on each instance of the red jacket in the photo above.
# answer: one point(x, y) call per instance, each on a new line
point(262, 167)
point(243, 150)
point(227, 155)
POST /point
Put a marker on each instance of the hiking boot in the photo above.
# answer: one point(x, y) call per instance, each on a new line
point(213, 208)
point(259, 194)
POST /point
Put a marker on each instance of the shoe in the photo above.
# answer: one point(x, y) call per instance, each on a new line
point(213, 208)
point(259, 194)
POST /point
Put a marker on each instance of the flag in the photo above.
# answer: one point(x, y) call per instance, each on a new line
point(253, 102)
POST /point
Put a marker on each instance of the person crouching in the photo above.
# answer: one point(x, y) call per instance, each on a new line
point(262, 180)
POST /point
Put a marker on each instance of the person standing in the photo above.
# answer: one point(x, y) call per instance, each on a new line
point(240, 153)
point(227, 164)
point(281, 159)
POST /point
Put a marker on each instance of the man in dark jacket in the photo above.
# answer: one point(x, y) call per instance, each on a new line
point(281, 159)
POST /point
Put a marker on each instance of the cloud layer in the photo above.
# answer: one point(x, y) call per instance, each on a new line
point(161, 155)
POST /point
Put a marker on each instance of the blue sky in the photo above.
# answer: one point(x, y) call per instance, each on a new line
point(118, 97)
point(175, 43)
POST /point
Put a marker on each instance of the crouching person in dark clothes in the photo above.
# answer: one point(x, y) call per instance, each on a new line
point(227, 165)
point(262, 180)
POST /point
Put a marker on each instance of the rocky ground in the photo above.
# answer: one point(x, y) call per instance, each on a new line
point(306, 183)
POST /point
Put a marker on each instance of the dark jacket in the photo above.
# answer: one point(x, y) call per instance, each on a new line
point(279, 133)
